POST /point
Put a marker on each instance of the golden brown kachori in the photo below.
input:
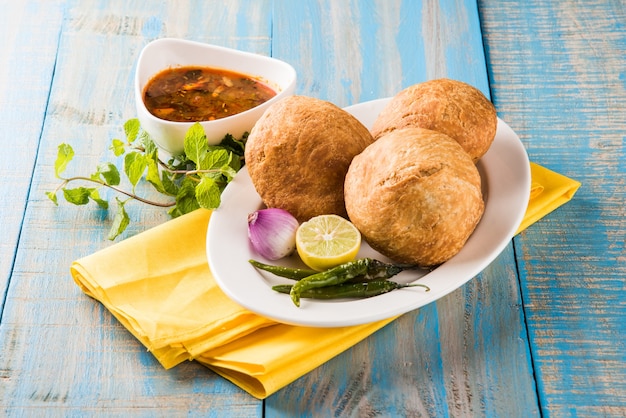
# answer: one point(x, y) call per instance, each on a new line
point(452, 107)
point(298, 154)
point(415, 195)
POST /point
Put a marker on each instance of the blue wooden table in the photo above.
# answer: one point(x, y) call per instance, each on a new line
point(542, 331)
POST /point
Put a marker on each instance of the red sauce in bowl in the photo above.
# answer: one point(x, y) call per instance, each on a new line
point(195, 94)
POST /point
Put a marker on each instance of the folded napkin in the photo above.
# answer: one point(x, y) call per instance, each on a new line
point(548, 191)
point(159, 286)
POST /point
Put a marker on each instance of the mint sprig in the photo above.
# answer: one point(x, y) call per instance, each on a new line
point(190, 181)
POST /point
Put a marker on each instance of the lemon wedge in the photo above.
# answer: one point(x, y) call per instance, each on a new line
point(326, 241)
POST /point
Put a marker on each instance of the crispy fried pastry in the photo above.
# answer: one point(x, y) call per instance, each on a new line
point(298, 154)
point(415, 195)
point(452, 107)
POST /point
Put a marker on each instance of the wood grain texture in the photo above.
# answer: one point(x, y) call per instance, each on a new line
point(558, 76)
point(462, 356)
point(349, 52)
point(65, 355)
point(27, 60)
point(62, 353)
point(556, 72)
point(467, 354)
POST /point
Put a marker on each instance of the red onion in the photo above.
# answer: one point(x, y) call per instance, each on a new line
point(272, 232)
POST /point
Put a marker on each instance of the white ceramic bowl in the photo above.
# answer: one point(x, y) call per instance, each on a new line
point(167, 53)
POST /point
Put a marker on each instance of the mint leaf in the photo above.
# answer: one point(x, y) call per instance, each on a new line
point(235, 162)
point(52, 196)
point(131, 129)
point(229, 172)
point(135, 164)
point(149, 146)
point(109, 173)
point(169, 184)
point(120, 221)
point(208, 193)
point(196, 145)
point(152, 176)
point(95, 196)
point(118, 147)
point(77, 196)
point(185, 199)
point(216, 157)
point(65, 154)
point(237, 147)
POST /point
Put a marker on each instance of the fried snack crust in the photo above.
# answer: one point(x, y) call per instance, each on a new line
point(452, 107)
point(415, 195)
point(298, 154)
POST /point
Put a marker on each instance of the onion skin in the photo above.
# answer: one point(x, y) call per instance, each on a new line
point(272, 232)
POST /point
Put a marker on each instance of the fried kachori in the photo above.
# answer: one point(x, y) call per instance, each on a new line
point(452, 107)
point(298, 154)
point(415, 195)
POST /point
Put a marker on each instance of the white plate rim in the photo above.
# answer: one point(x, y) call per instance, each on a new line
point(505, 170)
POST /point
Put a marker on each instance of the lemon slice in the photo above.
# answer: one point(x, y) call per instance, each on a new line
point(326, 241)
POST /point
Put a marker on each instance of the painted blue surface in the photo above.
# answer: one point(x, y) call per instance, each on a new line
point(555, 71)
point(413, 65)
point(551, 307)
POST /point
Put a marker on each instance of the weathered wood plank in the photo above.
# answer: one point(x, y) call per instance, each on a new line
point(27, 61)
point(558, 77)
point(349, 52)
point(467, 354)
point(63, 353)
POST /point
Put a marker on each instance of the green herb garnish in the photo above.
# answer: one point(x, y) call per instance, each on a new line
point(190, 181)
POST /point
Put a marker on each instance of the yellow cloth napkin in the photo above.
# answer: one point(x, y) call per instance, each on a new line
point(159, 286)
point(548, 191)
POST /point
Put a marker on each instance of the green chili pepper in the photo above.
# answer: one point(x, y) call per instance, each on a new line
point(336, 275)
point(375, 270)
point(349, 290)
point(378, 270)
point(287, 272)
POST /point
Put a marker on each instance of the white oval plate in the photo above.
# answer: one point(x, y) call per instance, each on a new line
point(505, 174)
